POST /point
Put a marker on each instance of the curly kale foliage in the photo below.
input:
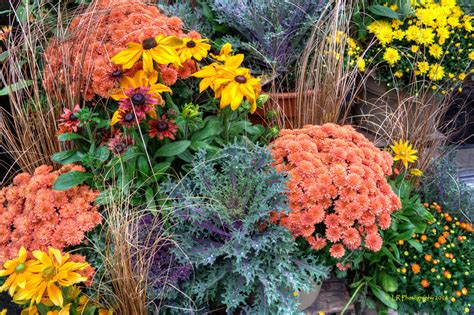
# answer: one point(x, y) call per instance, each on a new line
point(222, 212)
point(278, 29)
point(443, 185)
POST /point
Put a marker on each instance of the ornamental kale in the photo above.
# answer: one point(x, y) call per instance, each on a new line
point(222, 213)
point(276, 30)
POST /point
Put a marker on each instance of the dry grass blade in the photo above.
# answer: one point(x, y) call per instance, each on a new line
point(29, 133)
point(326, 85)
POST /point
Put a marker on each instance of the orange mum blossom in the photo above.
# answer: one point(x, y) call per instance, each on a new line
point(32, 212)
point(337, 187)
point(425, 283)
point(415, 268)
point(107, 27)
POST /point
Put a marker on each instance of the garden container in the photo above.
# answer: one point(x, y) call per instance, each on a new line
point(306, 299)
point(378, 108)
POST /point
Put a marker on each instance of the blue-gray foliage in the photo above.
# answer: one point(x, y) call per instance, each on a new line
point(240, 260)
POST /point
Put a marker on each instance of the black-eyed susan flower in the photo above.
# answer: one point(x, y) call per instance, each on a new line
point(18, 272)
point(210, 73)
point(52, 271)
point(162, 128)
point(233, 85)
point(403, 151)
point(137, 97)
point(161, 49)
point(194, 48)
point(225, 52)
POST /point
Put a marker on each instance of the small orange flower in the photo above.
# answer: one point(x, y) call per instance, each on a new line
point(446, 227)
point(437, 208)
point(423, 237)
point(428, 257)
point(457, 223)
point(415, 268)
point(435, 261)
point(457, 293)
point(460, 238)
point(426, 205)
point(464, 291)
point(449, 219)
point(437, 245)
point(425, 283)
point(447, 274)
point(463, 226)
point(441, 240)
point(401, 242)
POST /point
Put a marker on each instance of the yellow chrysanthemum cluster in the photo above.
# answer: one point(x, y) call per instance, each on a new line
point(437, 38)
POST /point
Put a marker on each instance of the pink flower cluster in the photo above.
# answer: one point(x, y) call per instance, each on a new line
point(338, 192)
point(35, 216)
point(81, 63)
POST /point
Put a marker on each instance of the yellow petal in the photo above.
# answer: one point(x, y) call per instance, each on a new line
point(127, 57)
point(54, 294)
point(65, 310)
point(152, 114)
point(21, 280)
point(160, 88)
point(171, 41)
point(147, 62)
point(234, 61)
point(22, 254)
point(42, 257)
point(57, 254)
point(115, 118)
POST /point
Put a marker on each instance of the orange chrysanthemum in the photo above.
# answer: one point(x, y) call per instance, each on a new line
point(35, 216)
point(335, 168)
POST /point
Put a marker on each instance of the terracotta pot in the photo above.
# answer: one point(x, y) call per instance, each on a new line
point(284, 102)
point(377, 107)
point(306, 299)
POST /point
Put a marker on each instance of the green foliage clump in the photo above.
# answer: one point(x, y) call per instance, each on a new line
point(222, 221)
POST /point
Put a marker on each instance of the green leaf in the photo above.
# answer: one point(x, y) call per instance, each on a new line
point(389, 254)
point(3, 55)
point(383, 11)
point(173, 148)
point(396, 252)
point(186, 156)
point(383, 297)
point(71, 179)
point(66, 157)
point(90, 310)
point(150, 198)
point(12, 88)
point(404, 236)
point(102, 153)
point(161, 168)
point(416, 245)
point(70, 136)
point(143, 165)
point(211, 128)
point(388, 283)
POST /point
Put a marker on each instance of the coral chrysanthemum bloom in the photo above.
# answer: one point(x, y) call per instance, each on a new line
point(17, 270)
point(403, 151)
point(233, 85)
point(52, 272)
point(194, 48)
point(161, 49)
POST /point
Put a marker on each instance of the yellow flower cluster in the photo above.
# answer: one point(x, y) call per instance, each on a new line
point(230, 82)
point(429, 34)
point(41, 279)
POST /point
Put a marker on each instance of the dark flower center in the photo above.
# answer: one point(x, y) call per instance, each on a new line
point(72, 117)
point(138, 99)
point(149, 43)
point(240, 79)
point(129, 117)
point(162, 126)
point(119, 147)
point(117, 74)
point(191, 44)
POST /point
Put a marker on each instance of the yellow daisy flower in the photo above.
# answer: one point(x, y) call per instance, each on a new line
point(194, 48)
point(161, 49)
point(361, 64)
point(233, 85)
point(392, 56)
point(224, 53)
point(403, 151)
point(423, 67)
point(471, 55)
point(436, 72)
point(52, 272)
point(416, 172)
point(436, 51)
point(209, 73)
point(18, 272)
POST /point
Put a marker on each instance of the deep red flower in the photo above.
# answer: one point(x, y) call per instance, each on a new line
point(162, 128)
